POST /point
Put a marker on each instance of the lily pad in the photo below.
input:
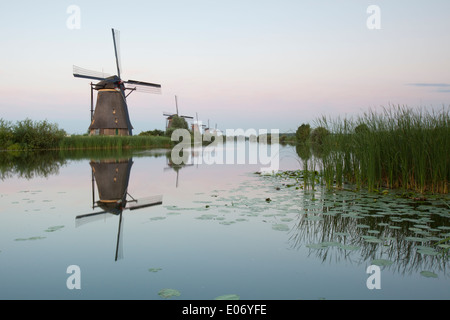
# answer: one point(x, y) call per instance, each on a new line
point(430, 252)
point(428, 274)
point(315, 246)
point(415, 239)
point(157, 218)
point(280, 227)
point(54, 228)
point(228, 297)
point(373, 240)
point(30, 238)
point(382, 262)
point(349, 247)
point(169, 293)
point(227, 223)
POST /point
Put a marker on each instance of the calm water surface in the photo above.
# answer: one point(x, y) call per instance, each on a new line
point(211, 230)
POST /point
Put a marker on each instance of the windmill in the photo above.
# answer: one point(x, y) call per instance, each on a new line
point(197, 126)
point(111, 115)
point(112, 177)
point(170, 116)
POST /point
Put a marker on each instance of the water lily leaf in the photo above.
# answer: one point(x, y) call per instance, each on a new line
point(382, 262)
point(53, 229)
point(315, 246)
point(428, 274)
point(349, 247)
point(415, 239)
point(228, 297)
point(206, 217)
point(227, 223)
point(373, 240)
point(430, 252)
point(30, 238)
point(314, 218)
point(280, 227)
point(169, 293)
point(157, 218)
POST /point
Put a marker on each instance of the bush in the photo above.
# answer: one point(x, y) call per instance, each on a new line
point(28, 134)
point(6, 134)
point(156, 132)
point(303, 133)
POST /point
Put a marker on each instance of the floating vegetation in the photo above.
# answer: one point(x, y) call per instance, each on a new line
point(382, 262)
point(29, 239)
point(206, 217)
point(428, 274)
point(154, 269)
point(227, 297)
point(280, 227)
point(157, 218)
point(169, 293)
point(53, 229)
point(227, 223)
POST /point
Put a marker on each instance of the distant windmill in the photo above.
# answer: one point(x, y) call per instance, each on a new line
point(171, 115)
point(197, 126)
point(111, 115)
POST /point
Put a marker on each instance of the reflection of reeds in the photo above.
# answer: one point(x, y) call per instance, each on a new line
point(399, 148)
point(345, 222)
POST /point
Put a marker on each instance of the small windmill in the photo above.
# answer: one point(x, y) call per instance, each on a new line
point(197, 126)
point(112, 177)
point(170, 116)
point(111, 115)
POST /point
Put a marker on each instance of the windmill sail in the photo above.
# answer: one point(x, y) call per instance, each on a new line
point(89, 74)
point(142, 86)
point(116, 41)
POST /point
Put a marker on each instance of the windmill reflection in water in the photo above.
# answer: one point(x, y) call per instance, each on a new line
point(112, 178)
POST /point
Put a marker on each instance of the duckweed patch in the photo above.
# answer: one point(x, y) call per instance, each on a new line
point(169, 293)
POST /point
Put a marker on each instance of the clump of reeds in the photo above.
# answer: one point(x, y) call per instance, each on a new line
point(399, 147)
point(114, 142)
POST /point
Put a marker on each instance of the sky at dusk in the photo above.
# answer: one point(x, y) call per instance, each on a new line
point(239, 64)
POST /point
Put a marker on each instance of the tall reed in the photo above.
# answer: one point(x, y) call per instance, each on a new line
point(399, 147)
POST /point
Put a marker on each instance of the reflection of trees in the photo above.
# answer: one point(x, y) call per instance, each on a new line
point(31, 165)
point(343, 231)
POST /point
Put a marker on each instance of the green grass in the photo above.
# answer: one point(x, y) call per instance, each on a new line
point(114, 142)
point(400, 148)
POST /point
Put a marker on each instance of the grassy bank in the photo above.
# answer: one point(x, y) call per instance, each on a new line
point(398, 148)
point(28, 135)
point(114, 142)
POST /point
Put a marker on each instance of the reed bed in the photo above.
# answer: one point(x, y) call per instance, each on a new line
point(400, 148)
point(114, 142)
